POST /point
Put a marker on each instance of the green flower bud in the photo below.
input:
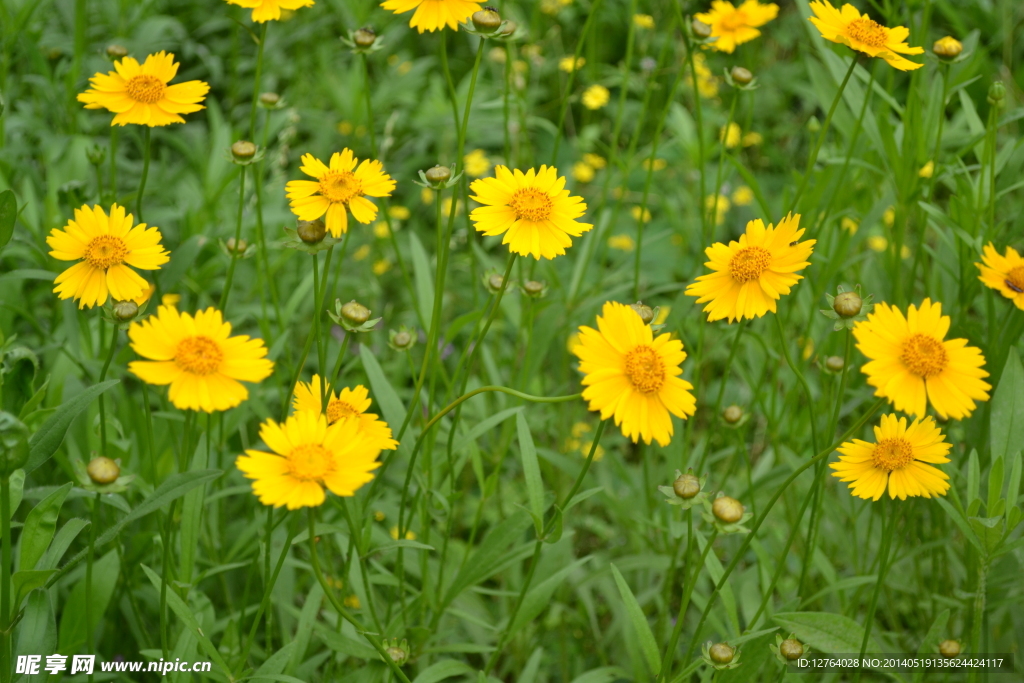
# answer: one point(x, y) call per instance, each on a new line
point(645, 312)
point(103, 470)
point(996, 94)
point(700, 29)
point(741, 75)
point(438, 175)
point(365, 37)
point(847, 304)
point(686, 486)
point(732, 414)
point(728, 510)
point(721, 653)
point(355, 313)
point(117, 51)
point(243, 150)
point(270, 99)
point(487, 20)
point(311, 232)
point(949, 648)
point(835, 364)
point(791, 649)
point(125, 311)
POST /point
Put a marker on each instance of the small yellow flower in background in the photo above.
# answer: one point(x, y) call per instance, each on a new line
point(736, 25)
point(533, 210)
point(658, 164)
point(643, 21)
point(861, 33)
point(170, 299)
point(446, 207)
point(1005, 274)
point(905, 252)
point(707, 84)
point(497, 55)
point(569, 64)
point(927, 171)
point(889, 217)
point(140, 94)
point(913, 364)
point(352, 602)
point(350, 405)
point(575, 443)
point(270, 10)
point(433, 15)
point(752, 139)
point(520, 66)
point(753, 273)
point(851, 226)
point(878, 243)
point(409, 535)
point(553, 6)
point(677, 240)
point(636, 212)
point(580, 428)
point(720, 206)
point(204, 365)
point(582, 172)
point(733, 137)
point(806, 347)
point(662, 316)
point(338, 190)
point(743, 196)
point(595, 160)
point(632, 376)
point(104, 246)
point(361, 253)
point(595, 97)
point(381, 266)
point(621, 243)
point(345, 128)
point(403, 68)
point(336, 584)
point(379, 515)
point(380, 230)
point(476, 163)
point(308, 455)
point(901, 460)
point(427, 196)
point(585, 447)
point(399, 213)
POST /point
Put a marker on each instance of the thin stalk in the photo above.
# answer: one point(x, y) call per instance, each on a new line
point(721, 165)
point(103, 376)
point(271, 579)
point(5, 580)
point(883, 566)
point(564, 99)
point(803, 382)
point(699, 119)
point(256, 84)
point(337, 367)
point(691, 582)
point(238, 239)
point(94, 520)
point(146, 133)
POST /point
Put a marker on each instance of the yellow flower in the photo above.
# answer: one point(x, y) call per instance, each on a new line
point(427, 196)
point(307, 456)
point(170, 299)
point(339, 189)
point(104, 247)
point(409, 535)
point(595, 97)
point(707, 84)
point(476, 163)
point(657, 164)
point(361, 253)
point(912, 363)
point(878, 243)
point(446, 207)
point(753, 273)
point(851, 226)
point(270, 10)
point(636, 212)
point(533, 210)
point(743, 196)
point(1005, 274)
point(633, 377)
point(719, 205)
point(568, 64)
point(585, 447)
point(380, 230)
point(889, 217)
point(621, 242)
point(381, 266)
point(859, 32)
point(140, 94)
point(345, 128)
point(927, 171)
point(399, 213)
point(582, 172)
point(352, 602)
point(736, 25)
point(379, 515)
point(595, 160)
point(350, 405)
point(198, 357)
point(901, 460)
point(752, 138)
point(662, 316)
point(643, 21)
point(432, 15)
point(806, 348)
point(732, 137)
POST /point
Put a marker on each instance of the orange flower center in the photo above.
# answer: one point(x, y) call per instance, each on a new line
point(146, 89)
point(645, 369)
point(893, 453)
point(749, 263)
point(341, 187)
point(310, 462)
point(105, 251)
point(530, 204)
point(734, 20)
point(868, 31)
point(1015, 279)
point(924, 355)
point(198, 355)
point(336, 410)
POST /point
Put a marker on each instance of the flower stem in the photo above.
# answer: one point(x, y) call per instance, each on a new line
point(238, 237)
point(90, 627)
point(803, 382)
point(5, 579)
point(256, 84)
point(710, 224)
point(146, 133)
point(564, 100)
point(691, 582)
point(888, 532)
point(102, 404)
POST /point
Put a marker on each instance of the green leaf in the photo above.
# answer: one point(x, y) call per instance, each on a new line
point(17, 490)
point(304, 630)
point(830, 633)
point(539, 597)
point(25, 581)
point(639, 621)
point(604, 674)
point(995, 485)
point(439, 671)
point(1007, 426)
point(424, 281)
point(37, 631)
point(184, 613)
point(8, 213)
point(531, 473)
point(61, 542)
point(1013, 489)
point(484, 426)
point(931, 640)
point(347, 646)
point(48, 438)
point(490, 555)
point(192, 515)
point(959, 520)
point(383, 392)
point(40, 526)
point(275, 663)
point(73, 627)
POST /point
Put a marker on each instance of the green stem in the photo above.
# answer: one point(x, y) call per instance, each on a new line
point(256, 84)
point(337, 367)
point(238, 240)
point(698, 117)
point(564, 101)
point(90, 628)
point(803, 382)
point(146, 133)
point(102, 403)
point(883, 566)
point(721, 166)
point(5, 579)
point(271, 579)
point(691, 582)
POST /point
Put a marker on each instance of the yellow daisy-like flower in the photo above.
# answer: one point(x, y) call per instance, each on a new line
point(307, 456)
point(104, 247)
point(736, 25)
point(1005, 274)
point(913, 364)
point(476, 163)
point(198, 357)
point(901, 460)
point(352, 404)
point(270, 10)
point(140, 94)
point(595, 97)
point(339, 189)
point(753, 273)
point(533, 210)
point(860, 32)
point(432, 15)
point(633, 376)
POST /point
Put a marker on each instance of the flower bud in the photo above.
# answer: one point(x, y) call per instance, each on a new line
point(721, 653)
point(103, 470)
point(402, 340)
point(243, 150)
point(96, 155)
point(494, 283)
point(728, 510)
point(835, 364)
point(117, 51)
point(847, 304)
point(438, 175)
point(741, 75)
point(949, 648)
point(365, 37)
point(509, 29)
point(486, 20)
point(236, 247)
point(311, 232)
point(125, 311)
point(270, 99)
point(355, 313)
point(732, 414)
point(534, 289)
point(13, 444)
point(700, 29)
point(686, 486)
point(947, 48)
point(397, 654)
point(996, 93)
point(645, 312)
point(791, 649)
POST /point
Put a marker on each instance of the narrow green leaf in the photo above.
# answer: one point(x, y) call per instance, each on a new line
point(346, 646)
point(531, 472)
point(935, 635)
point(1013, 488)
point(61, 542)
point(424, 280)
point(959, 520)
point(539, 597)
point(192, 514)
point(490, 554)
point(604, 674)
point(830, 633)
point(37, 631)
point(483, 427)
point(25, 581)
point(1007, 424)
point(439, 671)
point(640, 624)
point(48, 438)
point(73, 627)
point(40, 526)
point(8, 213)
point(385, 395)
